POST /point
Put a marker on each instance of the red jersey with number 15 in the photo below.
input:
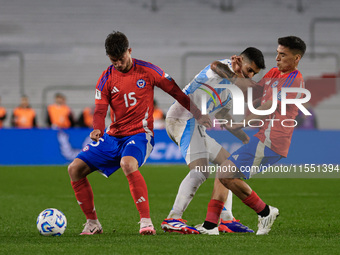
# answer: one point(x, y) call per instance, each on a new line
point(130, 96)
point(277, 131)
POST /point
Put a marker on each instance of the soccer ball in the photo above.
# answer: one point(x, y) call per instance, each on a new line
point(51, 222)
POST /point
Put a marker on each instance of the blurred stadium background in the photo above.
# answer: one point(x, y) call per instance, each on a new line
point(58, 46)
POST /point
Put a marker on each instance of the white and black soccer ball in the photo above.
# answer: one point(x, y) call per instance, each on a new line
point(51, 222)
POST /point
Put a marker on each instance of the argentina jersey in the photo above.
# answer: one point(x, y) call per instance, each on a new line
point(209, 91)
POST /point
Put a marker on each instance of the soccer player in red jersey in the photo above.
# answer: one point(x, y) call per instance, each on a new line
point(272, 141)
point(128, 87)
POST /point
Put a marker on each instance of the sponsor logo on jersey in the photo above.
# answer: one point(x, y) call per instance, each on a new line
point(86, 148)
point(141, 83)
point(275, 84)
point(131, 142)
point(114, 90)
point(168, 76)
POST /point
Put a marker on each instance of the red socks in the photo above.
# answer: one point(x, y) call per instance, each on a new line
point(139, 193)
point(84, 196)
point(254, 202)
point(215, 208)
point(138, 189)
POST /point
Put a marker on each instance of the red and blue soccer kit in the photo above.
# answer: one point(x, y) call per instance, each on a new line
point(130, 96)
point(272, 141)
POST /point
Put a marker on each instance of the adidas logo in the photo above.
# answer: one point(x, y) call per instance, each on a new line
point(114, 90)
point(140, 200)
point(235, 157)
point(132, 142)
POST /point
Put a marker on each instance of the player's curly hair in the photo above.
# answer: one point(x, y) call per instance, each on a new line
point(296, 44)
point(116, 44)
point(254, 54)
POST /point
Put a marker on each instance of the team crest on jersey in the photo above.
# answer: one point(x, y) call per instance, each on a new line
point(141, 83)
point(86, 148)
point(275, 84)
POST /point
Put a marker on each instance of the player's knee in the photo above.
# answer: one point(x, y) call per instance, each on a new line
point(72, 171)
point(76, 171)
point(128, 166)
point(227, 182)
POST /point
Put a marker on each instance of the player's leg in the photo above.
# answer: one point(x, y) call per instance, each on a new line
point(220, 192)
point(186, 192)
point(188, 187)
point(252, 154)
point(94, 156)
point(133, 156)
point(215, 206)
point(226, 222)
point(193, 147)
point(266, 213)
point(78, 170)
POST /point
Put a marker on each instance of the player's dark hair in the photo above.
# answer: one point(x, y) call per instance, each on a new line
point(296, 44)
point(255, 55)
point(116, 44)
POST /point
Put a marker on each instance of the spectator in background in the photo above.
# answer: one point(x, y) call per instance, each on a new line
point(3, 114)
point(158, 117)
point(306, 121)
point(59, 114)
point(86, 117)
point(24, 116)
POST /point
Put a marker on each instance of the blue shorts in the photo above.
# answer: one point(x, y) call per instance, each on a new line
point(106, 154)
point(250, 158)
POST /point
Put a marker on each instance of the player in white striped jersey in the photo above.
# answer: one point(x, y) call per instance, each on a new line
point(208, 91)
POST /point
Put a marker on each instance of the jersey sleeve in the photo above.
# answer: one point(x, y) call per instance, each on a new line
point(167, 84)
point(208, 74)
point(265, 79)
point(102, 100)
point(102, 95)
point(294, 80)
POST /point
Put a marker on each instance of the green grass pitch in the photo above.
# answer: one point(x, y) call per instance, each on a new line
point(308, 223)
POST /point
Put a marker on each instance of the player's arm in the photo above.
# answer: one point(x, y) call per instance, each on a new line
point(185, 101)
point(171, 87)
point(239, 133)
point(102, 99)
point(237, 78)
point(99, 116)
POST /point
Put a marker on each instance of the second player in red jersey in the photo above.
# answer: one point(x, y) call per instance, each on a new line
point(269, 145)
point(276, 134)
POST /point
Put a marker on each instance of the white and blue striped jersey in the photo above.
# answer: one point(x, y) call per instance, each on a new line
point(203, 91)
